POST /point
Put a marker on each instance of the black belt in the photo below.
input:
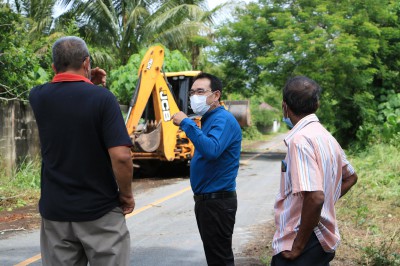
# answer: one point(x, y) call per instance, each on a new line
point(216, 195)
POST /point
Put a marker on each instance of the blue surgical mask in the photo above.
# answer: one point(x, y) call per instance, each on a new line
point(288, 122)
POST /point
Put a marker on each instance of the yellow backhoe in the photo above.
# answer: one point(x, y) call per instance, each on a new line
point(157, 97)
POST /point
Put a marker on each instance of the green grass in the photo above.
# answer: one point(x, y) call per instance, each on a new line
point(370, 214)
point(22, 187)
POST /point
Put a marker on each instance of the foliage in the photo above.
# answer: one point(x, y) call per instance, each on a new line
point(127, 26)
point(251, 133)
point(388, 117)
point(20, 66)
point(261, 116)
point(389, 114)
point(373, 207)
point(124, 79)
point(264, 118)
point(239, 45)
point(348, 48)
point(22, 186)
point(27, 174)
point(382, 255)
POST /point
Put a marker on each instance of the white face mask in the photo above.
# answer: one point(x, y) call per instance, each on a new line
point(199, 105)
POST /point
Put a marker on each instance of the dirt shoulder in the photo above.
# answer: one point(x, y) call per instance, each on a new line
point(21, 219)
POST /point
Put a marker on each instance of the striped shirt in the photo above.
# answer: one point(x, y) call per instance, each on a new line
point(314, 162)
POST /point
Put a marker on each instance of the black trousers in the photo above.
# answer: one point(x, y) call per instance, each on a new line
point(312, 255)
point(216, 220)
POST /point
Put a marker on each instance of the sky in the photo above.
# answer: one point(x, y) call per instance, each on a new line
point(224, 12)
point(214, 3)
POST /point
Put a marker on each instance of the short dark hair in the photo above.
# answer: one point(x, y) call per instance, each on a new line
point(215, 83)
point(68, 53)
point(302, 95)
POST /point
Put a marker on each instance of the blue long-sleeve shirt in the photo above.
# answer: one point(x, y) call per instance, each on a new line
point(215, 163)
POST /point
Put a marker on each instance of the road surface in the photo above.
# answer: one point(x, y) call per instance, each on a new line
point(163, 226)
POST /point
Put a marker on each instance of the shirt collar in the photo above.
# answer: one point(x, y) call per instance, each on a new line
point(62, 77)
point(207, 114)
point(300, 125)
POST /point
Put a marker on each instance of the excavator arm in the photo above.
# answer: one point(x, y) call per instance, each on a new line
point(152, 82)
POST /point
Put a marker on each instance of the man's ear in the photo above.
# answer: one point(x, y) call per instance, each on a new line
point(54, 68)
point(218, 94)
point(86, 63)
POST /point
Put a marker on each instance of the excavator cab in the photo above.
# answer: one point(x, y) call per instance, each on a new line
point(181, 82)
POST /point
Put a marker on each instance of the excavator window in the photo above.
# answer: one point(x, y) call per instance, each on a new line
point(180, 87)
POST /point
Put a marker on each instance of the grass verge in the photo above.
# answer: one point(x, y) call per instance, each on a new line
point(369, 216)
point(22, 187)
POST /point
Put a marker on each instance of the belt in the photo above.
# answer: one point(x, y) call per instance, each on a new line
point(216, 195)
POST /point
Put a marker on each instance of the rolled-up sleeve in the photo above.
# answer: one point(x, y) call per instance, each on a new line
point(347, 168)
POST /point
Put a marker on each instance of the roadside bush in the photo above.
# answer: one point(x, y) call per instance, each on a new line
point(384, 254)
point(385, 126)
point(251, 133)
point(370, 213)
point(264, 119)
point(22, 187)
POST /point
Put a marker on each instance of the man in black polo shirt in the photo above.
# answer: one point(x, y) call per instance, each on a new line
point(86, 163)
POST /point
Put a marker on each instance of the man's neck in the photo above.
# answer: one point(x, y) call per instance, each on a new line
point(297, 118)
point(76, 72)
point(214, 106)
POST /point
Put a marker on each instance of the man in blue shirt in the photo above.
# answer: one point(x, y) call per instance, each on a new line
point(214, 167)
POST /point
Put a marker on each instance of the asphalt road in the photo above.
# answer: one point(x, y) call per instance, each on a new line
point(163, 226)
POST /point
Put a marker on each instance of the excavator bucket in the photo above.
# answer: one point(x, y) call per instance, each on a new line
point(149, 142)
point(240, 110)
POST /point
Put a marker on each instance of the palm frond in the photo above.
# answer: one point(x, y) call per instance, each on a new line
point(178, 36)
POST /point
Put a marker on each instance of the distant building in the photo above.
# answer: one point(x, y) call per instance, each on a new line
point(266, 106)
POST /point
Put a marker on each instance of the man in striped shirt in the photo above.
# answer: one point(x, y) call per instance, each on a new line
point(315, 174)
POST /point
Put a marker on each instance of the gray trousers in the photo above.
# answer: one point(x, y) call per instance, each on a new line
point(105, 241)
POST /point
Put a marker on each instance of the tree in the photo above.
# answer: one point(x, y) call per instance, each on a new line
point(240, 43)
point(348, 47)
point(38, 14)
point(130, 25)
point(19, 66)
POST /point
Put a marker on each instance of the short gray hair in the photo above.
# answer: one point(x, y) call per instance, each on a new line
point(68, 53)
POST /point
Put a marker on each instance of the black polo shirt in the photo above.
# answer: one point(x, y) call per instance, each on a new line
point(77, 123)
